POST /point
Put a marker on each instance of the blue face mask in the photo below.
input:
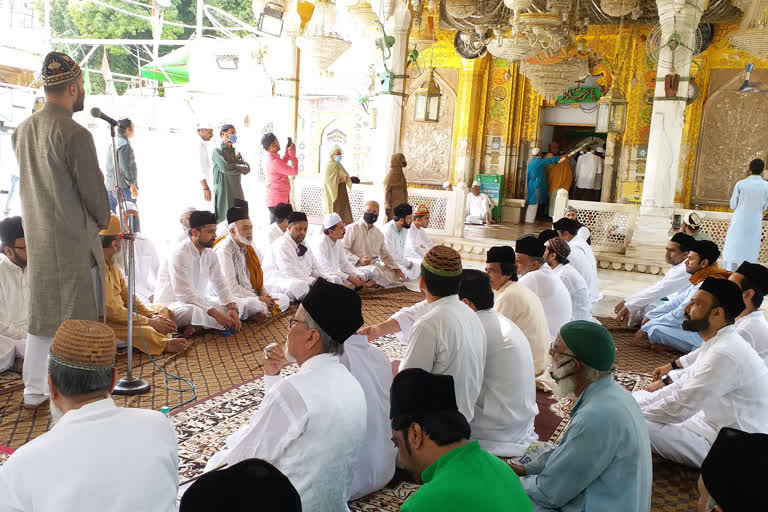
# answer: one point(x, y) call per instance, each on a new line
point(232, 138)
point(337, 158)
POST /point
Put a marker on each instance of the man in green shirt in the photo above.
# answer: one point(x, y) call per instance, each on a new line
point(432, 438)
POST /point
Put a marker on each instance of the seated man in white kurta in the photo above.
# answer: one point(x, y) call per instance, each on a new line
point(14, 292)
point(368, 251)
point(556, 255)
point(310, 425)
point(538, 277)
point(582, 258)
point(331, 256)
point(395, 236)
point(633, 309)
point(449, 338)
point(185, 280)
point(506, 407)
point(418, 242)
point(478, 206)
point(74, 465)
point(292, 267)
point(241, 264)
point(726, 386)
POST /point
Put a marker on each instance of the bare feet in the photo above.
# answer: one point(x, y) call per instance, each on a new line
point(175, 345)
point(18, 365)
point(191, 330)
point(658, 347)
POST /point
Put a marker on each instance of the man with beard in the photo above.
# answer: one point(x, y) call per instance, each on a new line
point(726, 386)
point(310, 425)
point(395, 236)
point(662, 327)
point(191, 270)
point(632, 309)
point(603, 463)
point(368, 251)
point(14, 292)
point(73, 466)
point(292, 267)
point(432, 439)
point(241, 264)
point(60, 175)
point(332, 258)
point(153, 324)
point(280, 212)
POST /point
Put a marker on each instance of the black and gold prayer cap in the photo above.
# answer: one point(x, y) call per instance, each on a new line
point(59, 68)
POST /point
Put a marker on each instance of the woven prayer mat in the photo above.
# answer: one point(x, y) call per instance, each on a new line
point(214, 363)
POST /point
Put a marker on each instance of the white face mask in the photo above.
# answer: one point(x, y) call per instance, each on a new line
point(337, 158)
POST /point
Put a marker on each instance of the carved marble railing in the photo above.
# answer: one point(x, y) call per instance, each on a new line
point(446, 208)
point(612, 225)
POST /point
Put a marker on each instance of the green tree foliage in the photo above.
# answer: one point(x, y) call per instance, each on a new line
point(84, 19)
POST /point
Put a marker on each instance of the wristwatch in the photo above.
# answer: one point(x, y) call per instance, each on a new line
point(667, 380)
point(674, 364)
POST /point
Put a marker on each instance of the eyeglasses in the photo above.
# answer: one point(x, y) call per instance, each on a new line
point(17, 247)
point(293, 322)
point(552, 352)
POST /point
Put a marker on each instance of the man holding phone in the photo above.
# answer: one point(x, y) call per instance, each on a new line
point(278, 170)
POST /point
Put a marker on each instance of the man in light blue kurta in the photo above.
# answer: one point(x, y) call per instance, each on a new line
point(603, 463)
point(537, 182)
point(748, 202)
point(663, 325)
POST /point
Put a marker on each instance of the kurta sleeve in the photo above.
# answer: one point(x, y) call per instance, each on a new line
point(668, 285)
point(280, 420)
point(589, 448)
point(231, 169)
point(669, 306)
point(421, 349)
point(88, 177)
point(406, 319)
point(180, 275)
point(345, 263)
point(348, 242)
point(735, 197)
point(7, 329)
point(117, 307)
point(385, 255)
point(280, 166)
point(286, 261)
point(708, 381)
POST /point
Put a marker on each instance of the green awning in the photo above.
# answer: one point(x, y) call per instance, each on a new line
point(175, 65)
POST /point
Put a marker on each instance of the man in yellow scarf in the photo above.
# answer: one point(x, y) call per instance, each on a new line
point(241, 266)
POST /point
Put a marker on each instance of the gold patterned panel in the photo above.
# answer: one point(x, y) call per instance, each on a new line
point(734, 130)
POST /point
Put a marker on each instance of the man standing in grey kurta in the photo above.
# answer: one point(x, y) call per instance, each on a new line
point(65, 204)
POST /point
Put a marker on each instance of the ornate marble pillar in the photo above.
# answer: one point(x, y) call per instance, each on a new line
point(389, 111)
point(468, 124)
point(665, 141)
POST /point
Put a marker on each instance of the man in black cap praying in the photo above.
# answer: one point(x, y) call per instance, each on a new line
point(14, 292)
point(311, 424)
point(726, 385)
point(432, 438)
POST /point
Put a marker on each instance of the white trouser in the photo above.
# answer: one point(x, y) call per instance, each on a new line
point(36, 368)
point(677, 443)
point(414, 272)
point(7, 353)
point(636, 317)
point(249, 306)
point(530, 213)
point(189, 314)
point(295, 289)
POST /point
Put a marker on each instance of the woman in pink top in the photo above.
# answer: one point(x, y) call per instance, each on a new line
point(278, 170)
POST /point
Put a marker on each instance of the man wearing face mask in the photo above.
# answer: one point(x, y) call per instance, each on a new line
point(396, 237)
point(59, 173)
point(310, 425)
point(336, 185)
point(603, 463)
point(228, 170)
point(368, 249)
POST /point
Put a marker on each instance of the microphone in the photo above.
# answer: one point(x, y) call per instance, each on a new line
point(96, 112)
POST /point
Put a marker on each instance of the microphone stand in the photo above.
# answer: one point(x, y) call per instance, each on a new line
point(128, 385)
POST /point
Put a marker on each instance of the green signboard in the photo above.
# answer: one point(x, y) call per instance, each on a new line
point(581, 95)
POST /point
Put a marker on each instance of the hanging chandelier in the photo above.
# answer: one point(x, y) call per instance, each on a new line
point(618, 8)
point(367, 20)
point(320, 40)
point(512, 48)
point(543, 31)
point(552, 80)
point(752, 34)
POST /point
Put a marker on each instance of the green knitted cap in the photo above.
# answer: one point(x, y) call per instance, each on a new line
point(591, 343)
